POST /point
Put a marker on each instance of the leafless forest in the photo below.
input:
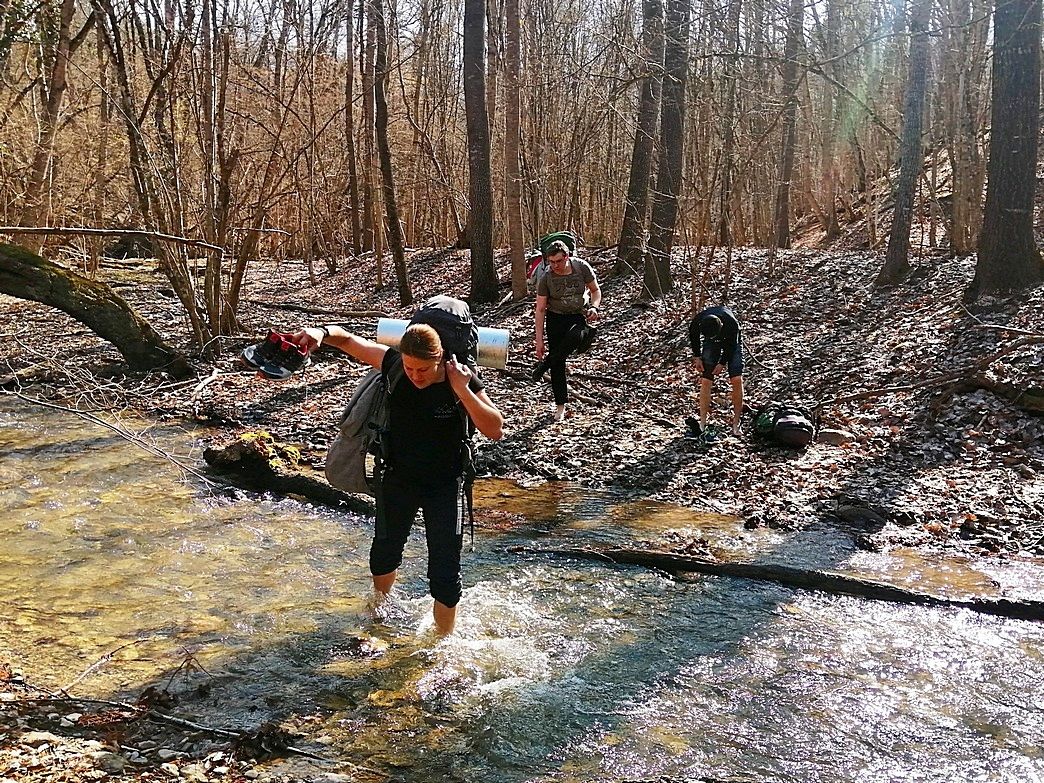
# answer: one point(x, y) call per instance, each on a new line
point(335, 131)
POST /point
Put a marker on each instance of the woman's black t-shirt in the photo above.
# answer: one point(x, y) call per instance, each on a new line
point(426, 429)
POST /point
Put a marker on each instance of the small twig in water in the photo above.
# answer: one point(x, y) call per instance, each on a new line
point(98, 664)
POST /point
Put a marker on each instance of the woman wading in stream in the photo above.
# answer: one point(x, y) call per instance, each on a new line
point(424, 463)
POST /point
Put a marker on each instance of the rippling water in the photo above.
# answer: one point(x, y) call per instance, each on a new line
point(560, 670)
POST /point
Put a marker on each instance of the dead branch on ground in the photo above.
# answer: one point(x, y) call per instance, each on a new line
point(94, 232)
point(800, 578)
point(937, 380)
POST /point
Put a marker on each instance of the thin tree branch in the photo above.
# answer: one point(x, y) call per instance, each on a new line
point(94, 232)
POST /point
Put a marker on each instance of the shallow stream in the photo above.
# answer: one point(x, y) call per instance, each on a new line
point(561, 670)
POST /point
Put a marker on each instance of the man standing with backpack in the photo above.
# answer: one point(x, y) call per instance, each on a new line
point(426, 452)
point(714, 335)
point(567, 302)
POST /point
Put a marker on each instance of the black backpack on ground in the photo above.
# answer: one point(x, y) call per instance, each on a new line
point(784, 424)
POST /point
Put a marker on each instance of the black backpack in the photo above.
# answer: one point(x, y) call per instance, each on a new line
point(451, 318)
point(784, 424)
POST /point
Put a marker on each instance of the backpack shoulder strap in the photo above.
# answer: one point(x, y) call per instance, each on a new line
point(393, 373)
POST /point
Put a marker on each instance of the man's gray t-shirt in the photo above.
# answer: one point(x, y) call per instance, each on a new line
point(565, 293)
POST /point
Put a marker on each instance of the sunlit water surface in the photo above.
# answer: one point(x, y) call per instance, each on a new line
point(561, 670)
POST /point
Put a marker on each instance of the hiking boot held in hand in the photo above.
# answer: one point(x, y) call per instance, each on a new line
point(275, 357)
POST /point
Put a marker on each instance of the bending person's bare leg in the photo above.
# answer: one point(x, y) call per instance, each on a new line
point(737, 403)
point(705, 395)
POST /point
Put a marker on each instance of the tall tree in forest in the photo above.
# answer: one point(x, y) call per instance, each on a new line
point(349, 129)
point(367, 44)
point(897, 261)
point(632, 235)
point(791, 49)
point(828, 194)
point(728, 122)
point(1008, 255)
point(393, 225)
point(57, 43)
point(153, 152)
point(657, 280)
point(480, 191)
point(512, 125)
point(964, 27)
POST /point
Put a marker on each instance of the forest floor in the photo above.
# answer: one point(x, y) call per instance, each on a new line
point(938, 446)
point(942, 449)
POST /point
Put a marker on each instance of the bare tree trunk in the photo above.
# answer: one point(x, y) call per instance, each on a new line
point(159, 200)
point(366, 52)
point(631, 246)
point(393, 227)
point(795, 32)
point(480, 223)
point(967, 29)
point(728, 147)
point(512, 124)
point(657, 280)
point(828, 183)
point(349, 130)
point(104, 117)
point(35, 210)
point(1008, 255)
point(897, 262)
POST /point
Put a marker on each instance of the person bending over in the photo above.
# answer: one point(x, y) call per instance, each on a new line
point(717, 343)
point(424, 455)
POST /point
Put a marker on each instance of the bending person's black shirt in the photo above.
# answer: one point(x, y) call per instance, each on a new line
point(726, 339)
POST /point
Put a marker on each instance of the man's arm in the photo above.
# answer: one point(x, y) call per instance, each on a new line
point(541, 308)
point(365, 351)
point(596, 300)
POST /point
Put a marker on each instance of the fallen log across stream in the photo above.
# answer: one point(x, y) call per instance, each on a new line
point(801, 578)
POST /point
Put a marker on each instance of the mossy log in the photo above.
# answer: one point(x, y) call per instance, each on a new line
point(801, 578)
point(26, 275)
point(257, 463)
